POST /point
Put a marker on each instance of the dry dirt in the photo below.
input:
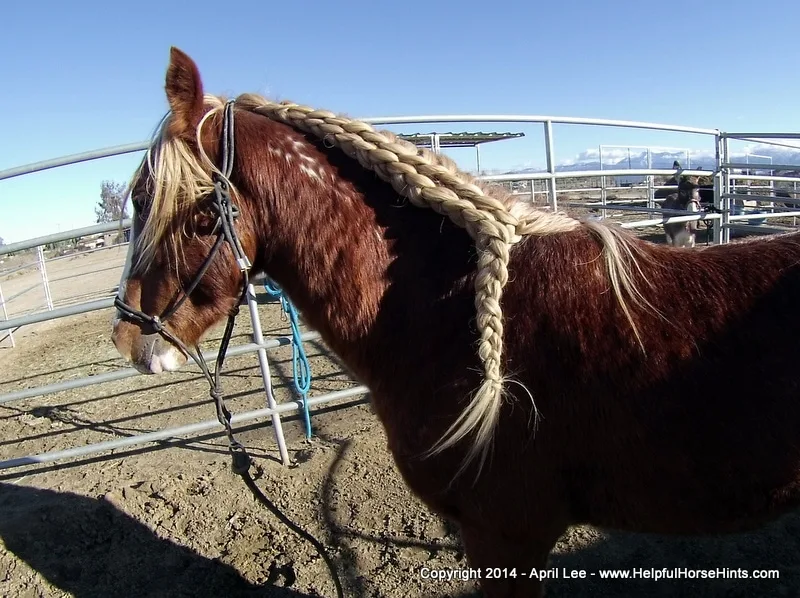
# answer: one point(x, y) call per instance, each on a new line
point(171, 519)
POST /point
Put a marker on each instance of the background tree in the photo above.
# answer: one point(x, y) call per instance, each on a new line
point(110, 206)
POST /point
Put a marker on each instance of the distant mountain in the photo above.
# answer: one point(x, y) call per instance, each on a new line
point(589, 160)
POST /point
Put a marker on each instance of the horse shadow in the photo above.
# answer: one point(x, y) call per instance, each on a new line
point(584, 561)
point(673, 566)
point(88, 548)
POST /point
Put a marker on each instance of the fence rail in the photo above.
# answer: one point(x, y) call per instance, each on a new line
point(85, 231)
point(170, 433)
point(108, 152)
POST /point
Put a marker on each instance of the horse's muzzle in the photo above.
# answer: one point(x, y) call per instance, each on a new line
point(148, 353)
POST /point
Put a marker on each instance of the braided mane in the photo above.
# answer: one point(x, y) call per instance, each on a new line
point(494, 219)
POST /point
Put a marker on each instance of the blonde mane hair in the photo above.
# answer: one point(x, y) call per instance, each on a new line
point(495, 220)
point(177, 178)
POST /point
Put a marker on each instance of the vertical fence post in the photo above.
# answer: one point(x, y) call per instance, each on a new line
point(5, 317)
point(726, 190)
point(650, 181)
point(258, 337)
point(603, 192)
point(45, 283)
point(437, 143)
point(717, 223)
point(551, 168)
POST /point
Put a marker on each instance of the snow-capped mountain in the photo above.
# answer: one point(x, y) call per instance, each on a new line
point(621, 159)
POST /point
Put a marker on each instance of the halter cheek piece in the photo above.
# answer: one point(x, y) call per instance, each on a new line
point(225, 231)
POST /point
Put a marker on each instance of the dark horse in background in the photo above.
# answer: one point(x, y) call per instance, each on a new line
point(705, 187)
point(704, 194)
point(682, 234)
point(604, 335)
point(694, 194)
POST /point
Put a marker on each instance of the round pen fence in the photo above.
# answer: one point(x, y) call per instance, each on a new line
point(745, 200)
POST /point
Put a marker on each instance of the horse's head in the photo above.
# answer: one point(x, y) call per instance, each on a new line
point(689, 192)
point(193, 236)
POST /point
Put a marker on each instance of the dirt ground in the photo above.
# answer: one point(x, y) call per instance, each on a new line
point(171, 519)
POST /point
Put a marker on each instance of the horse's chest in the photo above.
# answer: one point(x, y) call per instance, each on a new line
point(410, 434)
point(428, 478)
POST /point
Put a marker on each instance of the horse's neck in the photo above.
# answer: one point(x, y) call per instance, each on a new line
point(332, 269)
point(359, 263)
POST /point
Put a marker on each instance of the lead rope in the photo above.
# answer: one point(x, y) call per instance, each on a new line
point(226, 214)
point(241, 460)
point(301, 370)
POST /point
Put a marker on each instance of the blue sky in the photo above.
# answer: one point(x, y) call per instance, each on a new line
point(83, 75)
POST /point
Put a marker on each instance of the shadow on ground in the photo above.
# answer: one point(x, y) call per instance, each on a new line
point(89, 549)
point(732, 558)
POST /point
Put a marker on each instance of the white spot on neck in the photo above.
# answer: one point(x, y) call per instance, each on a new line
point(310, 172)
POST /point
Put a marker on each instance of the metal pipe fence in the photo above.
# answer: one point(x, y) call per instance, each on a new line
point(59, 312)
point(550, 177)
point(122, 374)
point(85, 231)
point(85, 252)
point(171, 433)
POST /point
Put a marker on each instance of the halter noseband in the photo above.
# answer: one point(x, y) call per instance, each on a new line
point(224, 228)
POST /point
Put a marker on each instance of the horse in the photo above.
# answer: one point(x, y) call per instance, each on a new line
point(682, 234)
point(705, 185)
point(531, 370)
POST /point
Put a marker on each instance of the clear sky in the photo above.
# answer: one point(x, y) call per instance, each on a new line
point(83, 75)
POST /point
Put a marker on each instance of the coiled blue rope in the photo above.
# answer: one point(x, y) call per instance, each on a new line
point(301, 370)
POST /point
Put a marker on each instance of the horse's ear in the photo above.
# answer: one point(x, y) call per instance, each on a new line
point(184, 94)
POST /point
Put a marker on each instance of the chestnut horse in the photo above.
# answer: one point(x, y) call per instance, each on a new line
point(562, 353)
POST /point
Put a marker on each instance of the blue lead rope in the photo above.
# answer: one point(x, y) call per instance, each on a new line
point(301, 370)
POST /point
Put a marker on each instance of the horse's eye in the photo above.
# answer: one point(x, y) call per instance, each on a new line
point(137, 205)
